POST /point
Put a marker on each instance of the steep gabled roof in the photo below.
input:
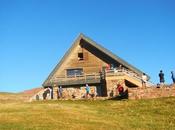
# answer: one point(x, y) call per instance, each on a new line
point(99, 47)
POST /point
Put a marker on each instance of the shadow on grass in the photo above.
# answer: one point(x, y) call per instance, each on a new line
point(121, 96)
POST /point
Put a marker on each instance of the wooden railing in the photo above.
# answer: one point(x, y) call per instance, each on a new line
point(76, 79)
point(124, 71)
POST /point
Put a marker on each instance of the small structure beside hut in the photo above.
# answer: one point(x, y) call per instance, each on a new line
point(87, 62)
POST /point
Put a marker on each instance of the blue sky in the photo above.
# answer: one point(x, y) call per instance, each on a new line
point(35, 34)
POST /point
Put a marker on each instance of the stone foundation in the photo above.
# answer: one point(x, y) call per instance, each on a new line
point(112, 86)
point(76, 92)
point(133, 93)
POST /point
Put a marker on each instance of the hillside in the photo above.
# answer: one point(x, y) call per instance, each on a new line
point(18, 97)
point(16, 114)
point(10, 97)
point(31, 92)
point(152, 114)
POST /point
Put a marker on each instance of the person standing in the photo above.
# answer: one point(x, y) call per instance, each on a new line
point(50, 92)
point(173, 76)
point(87, 90)
point(161, 77)
point(144, 80)
point(60, 92)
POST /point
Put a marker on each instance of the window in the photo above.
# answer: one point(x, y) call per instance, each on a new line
point(80, 56)
point(74, 72)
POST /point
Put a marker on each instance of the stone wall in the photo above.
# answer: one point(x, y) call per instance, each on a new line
point(112, 86)
point(149, 93)
point(133, 93)
point(74, 92)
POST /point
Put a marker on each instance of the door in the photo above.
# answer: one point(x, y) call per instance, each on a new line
point(99, 91)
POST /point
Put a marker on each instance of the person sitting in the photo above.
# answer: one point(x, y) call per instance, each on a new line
point(111, 94)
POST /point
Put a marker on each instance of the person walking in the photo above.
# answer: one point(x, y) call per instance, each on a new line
point(161, 77)
point(173, 76)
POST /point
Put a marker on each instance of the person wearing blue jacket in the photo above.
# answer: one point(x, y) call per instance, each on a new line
point(87, 90)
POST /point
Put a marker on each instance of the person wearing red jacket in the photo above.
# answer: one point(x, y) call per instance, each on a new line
point(120, 89)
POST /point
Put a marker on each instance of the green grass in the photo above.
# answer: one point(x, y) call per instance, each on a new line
point(155, 114)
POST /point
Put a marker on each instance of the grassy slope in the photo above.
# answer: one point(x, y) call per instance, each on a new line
point(89, 115)
point(13, 97)
point(10, 97)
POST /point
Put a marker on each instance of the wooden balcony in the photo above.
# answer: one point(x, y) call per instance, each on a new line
point(95, 78)
point(75, 80)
